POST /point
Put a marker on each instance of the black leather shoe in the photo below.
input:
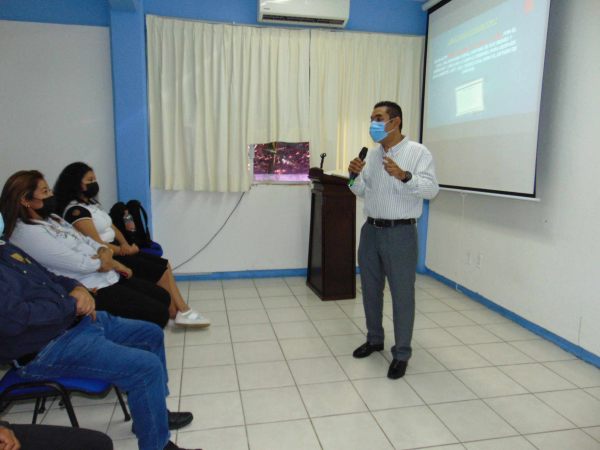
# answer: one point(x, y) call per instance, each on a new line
point(366, 349)
point(397, 369)
point(172, 446)
point(179, 420)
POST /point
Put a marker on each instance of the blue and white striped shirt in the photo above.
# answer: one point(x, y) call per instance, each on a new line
point(385, 196)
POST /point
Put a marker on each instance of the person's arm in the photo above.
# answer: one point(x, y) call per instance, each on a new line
point(68, 284)
point(104, 254)
point(126, 249)
point(85, 303)
point(80, 218)
point(119, 236)
point(88, 229)
point(424, 183)
point(49, 251)
point(359, 186)
point(20, 311)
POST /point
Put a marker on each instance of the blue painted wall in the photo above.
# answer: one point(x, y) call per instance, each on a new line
point(70, 12)
point(128, 50)
point(381, 16)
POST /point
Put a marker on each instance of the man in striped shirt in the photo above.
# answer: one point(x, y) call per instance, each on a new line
point(393, 179)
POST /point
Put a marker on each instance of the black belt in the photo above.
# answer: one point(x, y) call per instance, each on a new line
point(26, 359)
point(384, 223)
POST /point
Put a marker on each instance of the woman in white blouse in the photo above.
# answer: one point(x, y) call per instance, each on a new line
point(27, 205)
point(75, 190)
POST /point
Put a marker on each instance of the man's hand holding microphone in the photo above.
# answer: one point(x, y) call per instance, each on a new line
point(357, 164)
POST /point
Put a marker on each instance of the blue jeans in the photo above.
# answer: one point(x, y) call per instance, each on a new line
point(127, 353)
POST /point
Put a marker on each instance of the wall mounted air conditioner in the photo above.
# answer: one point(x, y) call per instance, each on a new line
point(320, 13)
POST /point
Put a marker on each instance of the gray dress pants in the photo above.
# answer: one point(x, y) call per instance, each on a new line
point(389, 252)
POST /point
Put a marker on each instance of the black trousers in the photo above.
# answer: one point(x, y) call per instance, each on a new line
point(44, 437)
point(135, 299)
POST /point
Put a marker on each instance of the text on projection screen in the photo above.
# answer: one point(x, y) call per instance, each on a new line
point(485, 63)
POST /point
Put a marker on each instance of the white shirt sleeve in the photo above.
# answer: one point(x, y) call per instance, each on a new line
point(424, 183)
point(49, 251)
point(359, 186)
point(92, 243)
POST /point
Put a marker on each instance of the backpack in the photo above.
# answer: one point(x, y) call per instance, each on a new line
point(142, 237)
point(116, 213)
point(137, 211)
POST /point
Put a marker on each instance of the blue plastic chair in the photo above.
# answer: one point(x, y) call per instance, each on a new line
point(154, 249)
point(13, 387)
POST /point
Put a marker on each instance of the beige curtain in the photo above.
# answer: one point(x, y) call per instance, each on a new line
point(214, 89)
point(350, 72)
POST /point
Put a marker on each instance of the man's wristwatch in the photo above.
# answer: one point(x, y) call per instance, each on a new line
point(408, 177)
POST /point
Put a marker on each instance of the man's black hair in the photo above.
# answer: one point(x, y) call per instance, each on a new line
point(393, 110)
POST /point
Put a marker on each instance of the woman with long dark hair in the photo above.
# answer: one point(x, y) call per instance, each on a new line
point(76, 190)
point(27, 206)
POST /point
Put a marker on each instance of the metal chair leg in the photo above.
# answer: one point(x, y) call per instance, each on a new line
point(123, 406)
point(4, 406)
point(42, 409)
point(70, 411)
point(36, 410)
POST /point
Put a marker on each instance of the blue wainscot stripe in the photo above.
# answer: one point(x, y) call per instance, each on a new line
point(246, 274)
point(548, 335)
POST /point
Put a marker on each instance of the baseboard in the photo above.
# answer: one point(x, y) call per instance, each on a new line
point(245, 274)
point(548, 335)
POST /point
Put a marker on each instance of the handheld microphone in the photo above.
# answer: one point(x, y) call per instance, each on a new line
point(362, 155)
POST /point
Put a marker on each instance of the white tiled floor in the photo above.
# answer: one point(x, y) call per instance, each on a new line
point(275, 372)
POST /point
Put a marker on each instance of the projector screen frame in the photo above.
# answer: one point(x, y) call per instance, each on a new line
point(518, 195)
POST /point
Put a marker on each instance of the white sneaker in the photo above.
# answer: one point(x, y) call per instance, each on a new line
point(191, 318)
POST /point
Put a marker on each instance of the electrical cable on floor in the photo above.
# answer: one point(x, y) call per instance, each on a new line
point(216, 234)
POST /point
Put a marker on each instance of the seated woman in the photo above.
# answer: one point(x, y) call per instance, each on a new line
point(76, 190)
point(27, 204)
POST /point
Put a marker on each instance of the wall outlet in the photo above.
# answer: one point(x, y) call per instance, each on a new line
point(479, 260)
point(469, 258)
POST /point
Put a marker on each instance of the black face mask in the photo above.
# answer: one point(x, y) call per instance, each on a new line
point(48, 207)
point(92, 190)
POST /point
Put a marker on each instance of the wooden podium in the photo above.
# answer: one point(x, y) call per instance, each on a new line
point(332, 246)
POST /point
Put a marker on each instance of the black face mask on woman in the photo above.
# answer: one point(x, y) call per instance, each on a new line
point(48, 207)
point(92, 190)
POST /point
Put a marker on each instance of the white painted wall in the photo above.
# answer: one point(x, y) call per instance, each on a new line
point(269, 230)
point(56, 103)
point(542, 260)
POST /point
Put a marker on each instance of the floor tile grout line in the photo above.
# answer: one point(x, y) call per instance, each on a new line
point(464, 401)
point(567, 360)
point(183, 356)
point(365, 403)
point(558, 412)
point(111, 418)
point(237, 376)
point(296, 383)
point(529, 392)
point(516, 381)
